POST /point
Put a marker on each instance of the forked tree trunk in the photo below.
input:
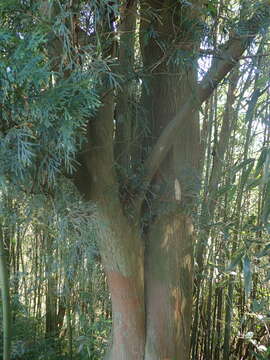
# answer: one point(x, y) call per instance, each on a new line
point(150, 271)
point(148, 254)
point(151, 298)
point(120, 245)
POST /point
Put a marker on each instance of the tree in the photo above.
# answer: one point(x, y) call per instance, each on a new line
point(147, 252)
point(143, 176)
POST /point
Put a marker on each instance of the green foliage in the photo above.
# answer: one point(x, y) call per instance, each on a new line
point(45, 104)
point(93, 344)
point(42, 113)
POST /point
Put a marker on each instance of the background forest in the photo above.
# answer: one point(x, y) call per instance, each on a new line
point(61, 63)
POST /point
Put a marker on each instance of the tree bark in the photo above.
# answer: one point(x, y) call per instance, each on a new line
point(120, 244)
point(169, 236)
point(168, 292)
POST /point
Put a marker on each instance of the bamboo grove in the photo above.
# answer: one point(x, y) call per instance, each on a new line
point(134, 180)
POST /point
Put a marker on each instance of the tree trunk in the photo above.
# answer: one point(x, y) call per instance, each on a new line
point(169, 292)
point(169, 238)
point(120, 245)
point(147, 251)
point(4, 284)
point(51, 291)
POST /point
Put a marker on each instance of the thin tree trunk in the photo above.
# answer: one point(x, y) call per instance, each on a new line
point(209, 203)
point(51, 291)
point(217, 350)
point(4, 277)
point(229, 297)
point(209, 318)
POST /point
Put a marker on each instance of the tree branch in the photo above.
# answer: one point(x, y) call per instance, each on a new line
point(230, 55)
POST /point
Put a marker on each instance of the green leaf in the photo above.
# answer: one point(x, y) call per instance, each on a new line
point(252, 183)
point(230, 189)
point(243, 164)
point(212, 9)
point(260, 162)
point(246, 173)
point(258, 356)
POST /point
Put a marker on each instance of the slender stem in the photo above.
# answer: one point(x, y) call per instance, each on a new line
point(4, 279)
